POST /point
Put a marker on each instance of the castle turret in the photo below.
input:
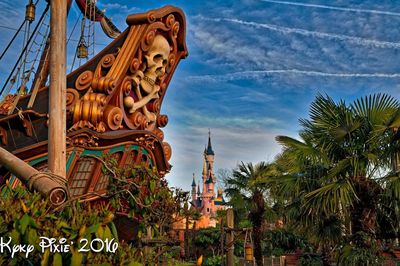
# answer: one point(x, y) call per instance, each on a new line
point(209, 152)
point(194, 190)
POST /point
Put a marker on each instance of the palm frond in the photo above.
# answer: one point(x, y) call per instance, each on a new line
point(331, 198)
point(377, 108)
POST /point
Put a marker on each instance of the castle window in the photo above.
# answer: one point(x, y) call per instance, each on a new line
point(208, 209)
point(81, 176)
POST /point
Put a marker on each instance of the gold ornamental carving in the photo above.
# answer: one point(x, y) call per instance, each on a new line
point(84, 140)
point(7, 104)
point(113, 117)
point(126, 87)
point(84, 80)
point(167, 150)
point(147, 141)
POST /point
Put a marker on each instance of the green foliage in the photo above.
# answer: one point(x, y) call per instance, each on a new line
point(216, 261)
point(213, 261)
point(354, 256)
point(247, 188)
point(135, 190)
point(25, 217)
point(140, 191)
point(309, 259)
point(361, 249)
point(338, 179)
point(280, 241)
point(207, 241)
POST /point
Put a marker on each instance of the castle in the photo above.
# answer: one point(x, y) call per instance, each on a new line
point(206, 201)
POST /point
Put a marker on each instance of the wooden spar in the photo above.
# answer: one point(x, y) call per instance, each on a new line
point(33, 179)
point(43, 70)
point(58, 83)
point(41, 75)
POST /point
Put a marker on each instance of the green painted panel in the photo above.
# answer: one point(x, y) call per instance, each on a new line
point(90, 152)
point(70, 159)
point(38, 160)
point(117, 149)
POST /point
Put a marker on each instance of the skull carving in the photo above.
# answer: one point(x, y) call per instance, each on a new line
point(156, 63)
point(156, 59)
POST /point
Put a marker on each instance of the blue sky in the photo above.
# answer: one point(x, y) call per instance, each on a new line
point(254, 67)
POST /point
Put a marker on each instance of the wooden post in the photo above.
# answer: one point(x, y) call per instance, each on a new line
point(222, 239)
point(58, 83)
point(187, 237)
point(147, 248)
point(229, 237)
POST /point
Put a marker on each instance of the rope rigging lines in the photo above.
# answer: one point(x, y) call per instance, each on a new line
point(26, 51)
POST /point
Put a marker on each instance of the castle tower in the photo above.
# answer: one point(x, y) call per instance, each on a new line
point(210, 154)
point(208, 179)
point(207, 201)
point(194, 190)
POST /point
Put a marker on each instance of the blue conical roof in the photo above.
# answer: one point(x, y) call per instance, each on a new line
point(193, 182)
point(209, 148)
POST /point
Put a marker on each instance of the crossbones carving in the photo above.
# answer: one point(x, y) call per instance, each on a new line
point(156, 63)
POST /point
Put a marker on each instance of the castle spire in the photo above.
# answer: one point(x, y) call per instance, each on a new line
point(209, 148)
point(194, 196)
point(193, 182)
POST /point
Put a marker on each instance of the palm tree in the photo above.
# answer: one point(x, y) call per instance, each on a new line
point(247, 184)
point(342, 166)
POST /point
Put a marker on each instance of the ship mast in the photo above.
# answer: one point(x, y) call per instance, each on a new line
point(57, 91)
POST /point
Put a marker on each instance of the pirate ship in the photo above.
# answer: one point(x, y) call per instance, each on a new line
point(112, 105)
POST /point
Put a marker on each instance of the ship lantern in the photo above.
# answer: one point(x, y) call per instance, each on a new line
point(30, 12)
point(248, 252)
point(82, 50)
point(248, 246)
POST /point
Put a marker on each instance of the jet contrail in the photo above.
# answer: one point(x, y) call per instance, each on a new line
point(371, 11)
point(251, 74)
point(323, 35)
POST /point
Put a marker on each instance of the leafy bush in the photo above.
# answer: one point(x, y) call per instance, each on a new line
point(213, 261)
point(280, 241)
point(361, 250)
point(309, 259)
point(208, 241)
point(26, 217)
point(216, 261)
point(354, 256)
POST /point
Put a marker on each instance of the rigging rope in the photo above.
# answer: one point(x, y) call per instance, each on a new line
point(26, 47)
point(12, 39)
point(17, 32)
point(41, 45)
point(27, 33)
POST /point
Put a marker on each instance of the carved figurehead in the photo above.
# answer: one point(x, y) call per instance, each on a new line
point(146, 82)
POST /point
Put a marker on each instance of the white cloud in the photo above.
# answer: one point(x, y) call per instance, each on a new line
point(315, 34)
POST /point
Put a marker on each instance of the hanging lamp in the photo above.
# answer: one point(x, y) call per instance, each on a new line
point(82, 49)
point(30, 12)
point(248, 247)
